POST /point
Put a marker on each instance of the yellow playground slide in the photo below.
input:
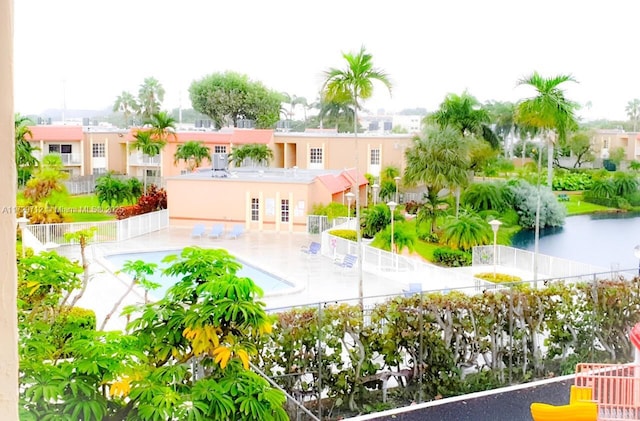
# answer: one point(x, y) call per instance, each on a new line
point(578, 411)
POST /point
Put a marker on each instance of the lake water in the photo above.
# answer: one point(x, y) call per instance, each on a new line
point(602, 240)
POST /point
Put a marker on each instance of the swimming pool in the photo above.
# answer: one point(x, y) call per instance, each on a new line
point(268, 282)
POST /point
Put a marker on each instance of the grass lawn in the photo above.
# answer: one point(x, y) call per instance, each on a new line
point(87, 208)
point(577, 206)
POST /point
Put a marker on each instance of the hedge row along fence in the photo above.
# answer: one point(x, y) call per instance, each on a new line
point(436, 345)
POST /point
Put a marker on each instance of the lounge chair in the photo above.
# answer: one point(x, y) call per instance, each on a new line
point(311, 249)
point(236, 232)
point(198, 231)
point(347, 262)
point(216, 231)
point(414, 288)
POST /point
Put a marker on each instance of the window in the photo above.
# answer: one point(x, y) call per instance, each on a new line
point(284, 210)
point(98, 171)
point(219, 149)
point(152, 173)
point(255, 209)
point(57, 148)
point(375, 156)
point(315, 155)
point(605, 143)
point(97, 150)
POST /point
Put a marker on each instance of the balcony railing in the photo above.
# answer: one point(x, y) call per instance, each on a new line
point(69, 158)
point(141, 159)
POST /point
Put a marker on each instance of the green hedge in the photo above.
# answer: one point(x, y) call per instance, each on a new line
point(451, 258)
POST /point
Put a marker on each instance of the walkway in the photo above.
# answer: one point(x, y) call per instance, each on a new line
point(315, 278)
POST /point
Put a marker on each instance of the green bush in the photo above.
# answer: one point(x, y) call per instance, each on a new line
point(451, 258)
point(572, 181)
point(346, 234)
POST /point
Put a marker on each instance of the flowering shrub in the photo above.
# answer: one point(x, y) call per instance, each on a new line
point(154, 199)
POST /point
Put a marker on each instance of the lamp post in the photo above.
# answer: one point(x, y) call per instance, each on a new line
point(397, 179)
point(349, 197)
point(375, 188)
point(636, 252)
point(392, 206)
point(495, 225)
point(22, 224)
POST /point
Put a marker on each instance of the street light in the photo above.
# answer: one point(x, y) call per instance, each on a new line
point(22, 224)
point(397, 178)
point(375, 188)
point(392, 206)
point(636, 251)
point(495, 225)
point(349, 197)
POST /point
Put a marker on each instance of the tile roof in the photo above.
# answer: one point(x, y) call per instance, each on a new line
point(336, 183)
point(62, 133)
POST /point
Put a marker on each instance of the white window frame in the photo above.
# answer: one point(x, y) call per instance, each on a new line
point(220, 149)
point(255, 209)
point(375, 156)
point(98, 150)
point(315, 155)
point(284, 210)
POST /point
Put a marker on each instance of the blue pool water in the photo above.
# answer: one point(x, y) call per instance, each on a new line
point(268, 282)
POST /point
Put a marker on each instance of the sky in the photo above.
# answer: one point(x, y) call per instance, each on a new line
point(79, 54)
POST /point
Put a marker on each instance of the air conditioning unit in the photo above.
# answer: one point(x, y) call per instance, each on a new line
point(220, 161)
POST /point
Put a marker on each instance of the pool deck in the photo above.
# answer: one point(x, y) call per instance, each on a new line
point(315, 278)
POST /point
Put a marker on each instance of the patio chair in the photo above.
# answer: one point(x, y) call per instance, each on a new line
point(414, 288)
point(236, 232)
point(198, 231)
point(216, 231)
point(347, 262)
point(312, 249)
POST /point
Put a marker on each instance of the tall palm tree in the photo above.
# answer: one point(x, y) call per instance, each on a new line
point(163, 126)
point(126, 104)
point(354, 84)
point(150, 96)
point(549, 111)
point(192, 153)
point(148, 145)
point(633, 111)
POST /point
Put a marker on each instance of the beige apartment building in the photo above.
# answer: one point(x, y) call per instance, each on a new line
point(604, 141)
point(308, 169)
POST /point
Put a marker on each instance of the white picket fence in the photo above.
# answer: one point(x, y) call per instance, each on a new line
point(106, 231)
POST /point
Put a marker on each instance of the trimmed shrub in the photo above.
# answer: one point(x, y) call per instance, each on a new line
point(451, 258)
point(346, 234)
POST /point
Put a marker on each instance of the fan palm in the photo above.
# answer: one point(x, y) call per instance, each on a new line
point(484, 196)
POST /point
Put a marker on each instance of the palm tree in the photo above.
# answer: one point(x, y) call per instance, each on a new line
point(163, 126)
point(148, 145)
point(439, 159)
point(467, 231)
point(25, 161)
point(127, 105)
point(352, 85)
point(259, 154)
point(549, 111)
point(626, 183)
point(192, 153)
point(633, 111)
point(465, 113)
point(484, 196)
point(150, 96)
